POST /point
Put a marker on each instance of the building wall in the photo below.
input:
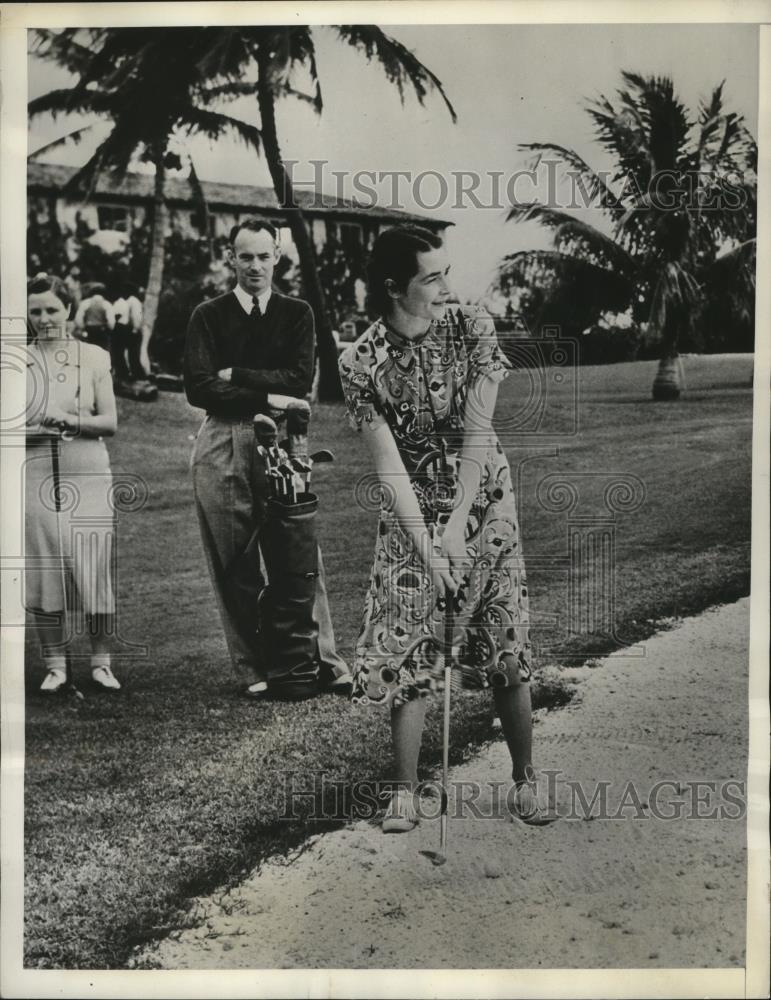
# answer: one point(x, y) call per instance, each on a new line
point(182, 218)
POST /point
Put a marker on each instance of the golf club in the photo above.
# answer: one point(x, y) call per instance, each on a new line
point(448, 654)
point(265, 430)
point(303, 472)
point(298, 415)
point(275, 480)
point(55, 444)
point(286, 471)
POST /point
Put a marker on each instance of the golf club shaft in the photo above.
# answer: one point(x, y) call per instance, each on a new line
point(445, 756)
point(449, 628)
point(55, 445)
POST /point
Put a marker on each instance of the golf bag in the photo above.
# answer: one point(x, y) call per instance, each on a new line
point(287, 629)
point(280, 617)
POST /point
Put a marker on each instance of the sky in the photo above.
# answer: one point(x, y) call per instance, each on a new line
point(509, 84)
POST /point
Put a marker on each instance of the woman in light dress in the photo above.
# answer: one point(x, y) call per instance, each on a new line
point(69, 513)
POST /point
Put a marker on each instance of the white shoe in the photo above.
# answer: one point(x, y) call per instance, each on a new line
point(401, 815)
point(53, 681)
point(257, 690)
point(104, 678)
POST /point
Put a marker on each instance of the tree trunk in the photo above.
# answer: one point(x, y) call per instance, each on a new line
point(157, 252)
point(666, 384)
point(330, 389)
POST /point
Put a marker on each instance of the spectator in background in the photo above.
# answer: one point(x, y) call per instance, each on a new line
point(120, 339)
point(126, 345)
point(72, 284)
point(246, 350)
point(95, 318)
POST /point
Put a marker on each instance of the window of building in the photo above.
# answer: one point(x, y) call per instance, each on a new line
point(350, 235)
point(113, 217)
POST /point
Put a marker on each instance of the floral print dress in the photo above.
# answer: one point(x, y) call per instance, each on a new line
point(421, 389)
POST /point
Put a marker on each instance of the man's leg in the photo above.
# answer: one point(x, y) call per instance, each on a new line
point(118, 352)
point(332, 664)
point(134, 347)
point(224, 507)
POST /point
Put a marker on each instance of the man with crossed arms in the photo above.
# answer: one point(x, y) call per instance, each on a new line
point(243, 351)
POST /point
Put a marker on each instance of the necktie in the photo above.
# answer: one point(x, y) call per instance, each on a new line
point(256, 311)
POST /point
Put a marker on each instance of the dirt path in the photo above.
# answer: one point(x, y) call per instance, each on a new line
point(635, 891)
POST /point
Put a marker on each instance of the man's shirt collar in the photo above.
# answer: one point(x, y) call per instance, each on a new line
point(247, 302)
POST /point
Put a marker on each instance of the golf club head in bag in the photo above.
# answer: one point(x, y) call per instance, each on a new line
point(265, 431)
point(298, 415)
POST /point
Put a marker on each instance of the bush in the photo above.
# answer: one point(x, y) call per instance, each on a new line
point(606, 345)
point(175, 307)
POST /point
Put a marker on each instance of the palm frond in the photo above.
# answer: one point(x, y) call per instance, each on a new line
point(401, 66)
point(232, 89)
point(214, 123)
point(622, 135)
point(569, 229)
point(575, 288)
point(710, 115)
point(313, 99)
point(594, 186)
point(674, 302)
point(70, 100)
point(199, 198)
point(84, 181)
point(62, 47)
point(303, 52)
point(74, 138)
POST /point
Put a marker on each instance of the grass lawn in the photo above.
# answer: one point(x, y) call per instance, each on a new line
point(135, 803)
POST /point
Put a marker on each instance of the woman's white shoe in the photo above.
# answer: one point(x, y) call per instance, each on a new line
point(526, 808)
point(400, 816)
point(104, 678)
point(54, 681)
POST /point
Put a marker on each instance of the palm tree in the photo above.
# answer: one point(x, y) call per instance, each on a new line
point(148, 84)
point(281, 54)
point(678, 213)
point(152, 82)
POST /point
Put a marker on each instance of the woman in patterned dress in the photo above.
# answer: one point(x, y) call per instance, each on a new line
point(421, 384)
point(71, 407)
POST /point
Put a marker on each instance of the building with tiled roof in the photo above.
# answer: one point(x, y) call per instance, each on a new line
point(116, 205)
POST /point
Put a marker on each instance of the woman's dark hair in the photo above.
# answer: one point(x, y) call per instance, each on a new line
point(394, 256)
point(256, 225)
point(43, 283)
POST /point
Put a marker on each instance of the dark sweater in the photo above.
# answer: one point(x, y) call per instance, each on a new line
point(271, 354)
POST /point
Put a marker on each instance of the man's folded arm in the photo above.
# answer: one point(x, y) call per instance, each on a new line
point(296, 377)
point(203, 386)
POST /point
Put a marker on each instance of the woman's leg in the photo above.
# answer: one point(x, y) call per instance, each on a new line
point(515, 711)
point(53, 645)
point(101, 630)
point(52, 636)
point(407, 731)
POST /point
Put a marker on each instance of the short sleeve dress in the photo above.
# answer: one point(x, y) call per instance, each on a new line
point(421, 389)
point(80, 536)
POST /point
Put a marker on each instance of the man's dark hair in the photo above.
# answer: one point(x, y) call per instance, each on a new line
point(394, 256)
point(256, 225)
